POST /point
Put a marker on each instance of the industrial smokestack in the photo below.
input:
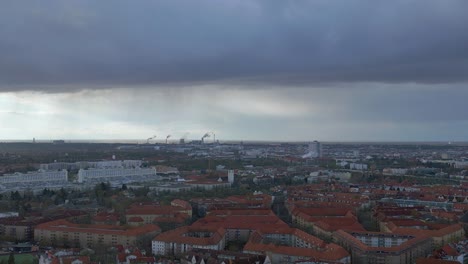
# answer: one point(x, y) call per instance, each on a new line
point(207, 134)
point(168, 136)
point(150, 138)
point(183, 138)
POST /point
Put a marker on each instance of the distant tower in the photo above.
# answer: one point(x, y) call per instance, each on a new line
point(34, 140)
point(231, 176)
point(356, 153)
point(315, 149)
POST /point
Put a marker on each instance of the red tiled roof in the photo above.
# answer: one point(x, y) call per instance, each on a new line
point(178, 219)
point(447, 215)
point(319, 204)
point(311, 211)
point(430, 233)
point(435, 261)
point(246, 222)
point(154, 210)
point(139, 257)
point(242, 211)
point(181, 203)
point(178, 235)
point(341, 234)
point(105, 216)
point(345, 223)
point(70, 259)
point(318, 249)
point(394, 223)
point(135, 219)
point(64, 225)
point(450, 250)
point(460, 206)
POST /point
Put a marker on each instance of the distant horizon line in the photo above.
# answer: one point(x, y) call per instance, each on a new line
point(188, 140)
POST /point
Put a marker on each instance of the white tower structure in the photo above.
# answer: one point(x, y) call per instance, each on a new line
point(315, 150)
point(231, 176)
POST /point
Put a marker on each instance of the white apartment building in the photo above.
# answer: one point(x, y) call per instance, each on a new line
point(116, 164)
point(395, 171)
point(115, 174)
point(318, 175)
point(184, 239)
point(49, 177)
point(382, 241)
point(357, 166)
point(91, 164)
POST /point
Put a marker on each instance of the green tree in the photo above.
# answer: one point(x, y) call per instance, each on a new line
point(11, 259)
point(16, 196)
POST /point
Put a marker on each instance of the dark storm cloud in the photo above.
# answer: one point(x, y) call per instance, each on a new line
point(92, 44)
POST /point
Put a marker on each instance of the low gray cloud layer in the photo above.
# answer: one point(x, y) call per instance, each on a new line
point(380, 70)
point(370, 111)
point(67, 45)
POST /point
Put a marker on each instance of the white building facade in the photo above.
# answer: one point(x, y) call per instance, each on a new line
point(35, 177)
point(130, 174)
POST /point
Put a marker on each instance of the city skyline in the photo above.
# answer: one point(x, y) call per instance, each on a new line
point(256, 70)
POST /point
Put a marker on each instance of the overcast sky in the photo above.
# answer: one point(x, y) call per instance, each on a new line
point(274, 70)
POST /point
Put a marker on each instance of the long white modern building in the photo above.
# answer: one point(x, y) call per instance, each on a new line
point(119, 174)
point(91, 164)
point(52, 177)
